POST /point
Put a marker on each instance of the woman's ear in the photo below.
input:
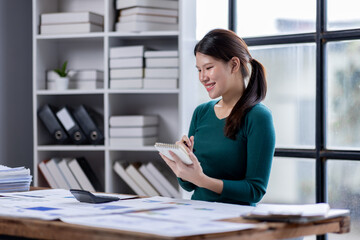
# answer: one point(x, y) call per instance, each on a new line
point(235, 64)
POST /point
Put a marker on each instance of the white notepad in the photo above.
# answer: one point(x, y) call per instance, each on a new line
point(179, 150)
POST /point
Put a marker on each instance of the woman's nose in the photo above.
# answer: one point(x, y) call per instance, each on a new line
point(203, 77)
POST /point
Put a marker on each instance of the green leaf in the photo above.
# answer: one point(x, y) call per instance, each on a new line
point(62, 72)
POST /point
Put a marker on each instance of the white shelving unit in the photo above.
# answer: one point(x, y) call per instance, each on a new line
point(91, 50)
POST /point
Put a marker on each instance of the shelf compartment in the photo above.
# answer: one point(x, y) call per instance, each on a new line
point(96, 159)
point(95, 102)
point(80, 54)
point(117, 184)
point(164, 105)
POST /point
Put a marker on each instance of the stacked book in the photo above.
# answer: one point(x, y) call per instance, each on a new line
point(147, 179)
point(147, 15)
point(126, 67)
point(161, 69)
point(14, 179)
point(133, 130)
point(79, 79)
point(70, 173)
point(71, 22)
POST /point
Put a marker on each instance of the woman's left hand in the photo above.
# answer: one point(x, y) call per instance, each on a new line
point(192, 173)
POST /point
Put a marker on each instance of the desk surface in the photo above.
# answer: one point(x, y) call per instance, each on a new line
point(41, 229)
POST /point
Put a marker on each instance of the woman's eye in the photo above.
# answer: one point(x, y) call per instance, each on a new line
point(209, 68)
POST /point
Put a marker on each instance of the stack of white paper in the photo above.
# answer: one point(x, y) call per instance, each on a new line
point(14, 179)
point(289, 212)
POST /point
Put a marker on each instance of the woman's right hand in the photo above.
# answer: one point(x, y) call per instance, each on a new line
point(186, 142)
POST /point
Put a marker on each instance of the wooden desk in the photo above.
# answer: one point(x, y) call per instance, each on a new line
point(41, 229)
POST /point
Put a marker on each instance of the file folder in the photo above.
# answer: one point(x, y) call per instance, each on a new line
point(47, 115)
point(90, 122)
point(85, 174)
point(75, 133)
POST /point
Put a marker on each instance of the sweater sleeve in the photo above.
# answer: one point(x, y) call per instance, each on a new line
point(188, 186)
point(260, 150)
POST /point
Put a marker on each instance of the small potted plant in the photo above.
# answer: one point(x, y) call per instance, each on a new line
point(62, 82)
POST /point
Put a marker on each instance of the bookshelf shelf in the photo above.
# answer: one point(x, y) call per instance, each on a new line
point(70, 148)
point(71, 36)
point(143, 91)
point(91, 51)
point(70, 92)
point(142, 149)
point(144, 34)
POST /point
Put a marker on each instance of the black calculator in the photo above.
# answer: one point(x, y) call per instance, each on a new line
point(88, 197)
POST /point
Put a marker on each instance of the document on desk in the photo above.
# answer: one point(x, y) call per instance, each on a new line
point(170, 228)
point(181, 218)
point(291, 213)
point(57, 203)
point(184, 209)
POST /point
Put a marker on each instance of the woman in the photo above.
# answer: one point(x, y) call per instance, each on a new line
point(232, 140)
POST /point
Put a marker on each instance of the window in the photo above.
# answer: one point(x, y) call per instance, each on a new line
point(276, 17)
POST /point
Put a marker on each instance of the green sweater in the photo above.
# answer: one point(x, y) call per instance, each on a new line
point(243, 164)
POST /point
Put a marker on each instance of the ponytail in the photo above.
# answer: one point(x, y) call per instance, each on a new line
point(254, 93)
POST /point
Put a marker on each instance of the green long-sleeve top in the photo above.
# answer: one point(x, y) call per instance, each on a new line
point(243, 164)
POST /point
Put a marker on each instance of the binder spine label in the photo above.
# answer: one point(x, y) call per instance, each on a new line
point(65, 119)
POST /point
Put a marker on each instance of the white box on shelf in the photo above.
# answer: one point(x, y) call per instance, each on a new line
point(161, 83)
point(161, 62)
point(149, 11)
point(127, 51)
point(132, 141)
point(134, 120)
point(147, 18)
point(120, 4)
point(80, 85)
point(127, 73)
point(161, 73)
point(134, 83)
point(161, 54)
point(136, 26)
point(132, 131)
point(70, 28)
point(71, 17)
point(137, 62)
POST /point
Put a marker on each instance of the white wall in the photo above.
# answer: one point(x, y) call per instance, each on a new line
point(15, 83)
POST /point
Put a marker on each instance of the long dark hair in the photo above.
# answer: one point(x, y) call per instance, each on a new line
point(224, 45)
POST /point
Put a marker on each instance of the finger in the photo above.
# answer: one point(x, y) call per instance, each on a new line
point(185, 139)
point(168, 161)
point(177, 160)
point(192, 142)
point(194, 158)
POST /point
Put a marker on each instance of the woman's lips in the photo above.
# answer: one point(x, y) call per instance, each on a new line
point(210, 86)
